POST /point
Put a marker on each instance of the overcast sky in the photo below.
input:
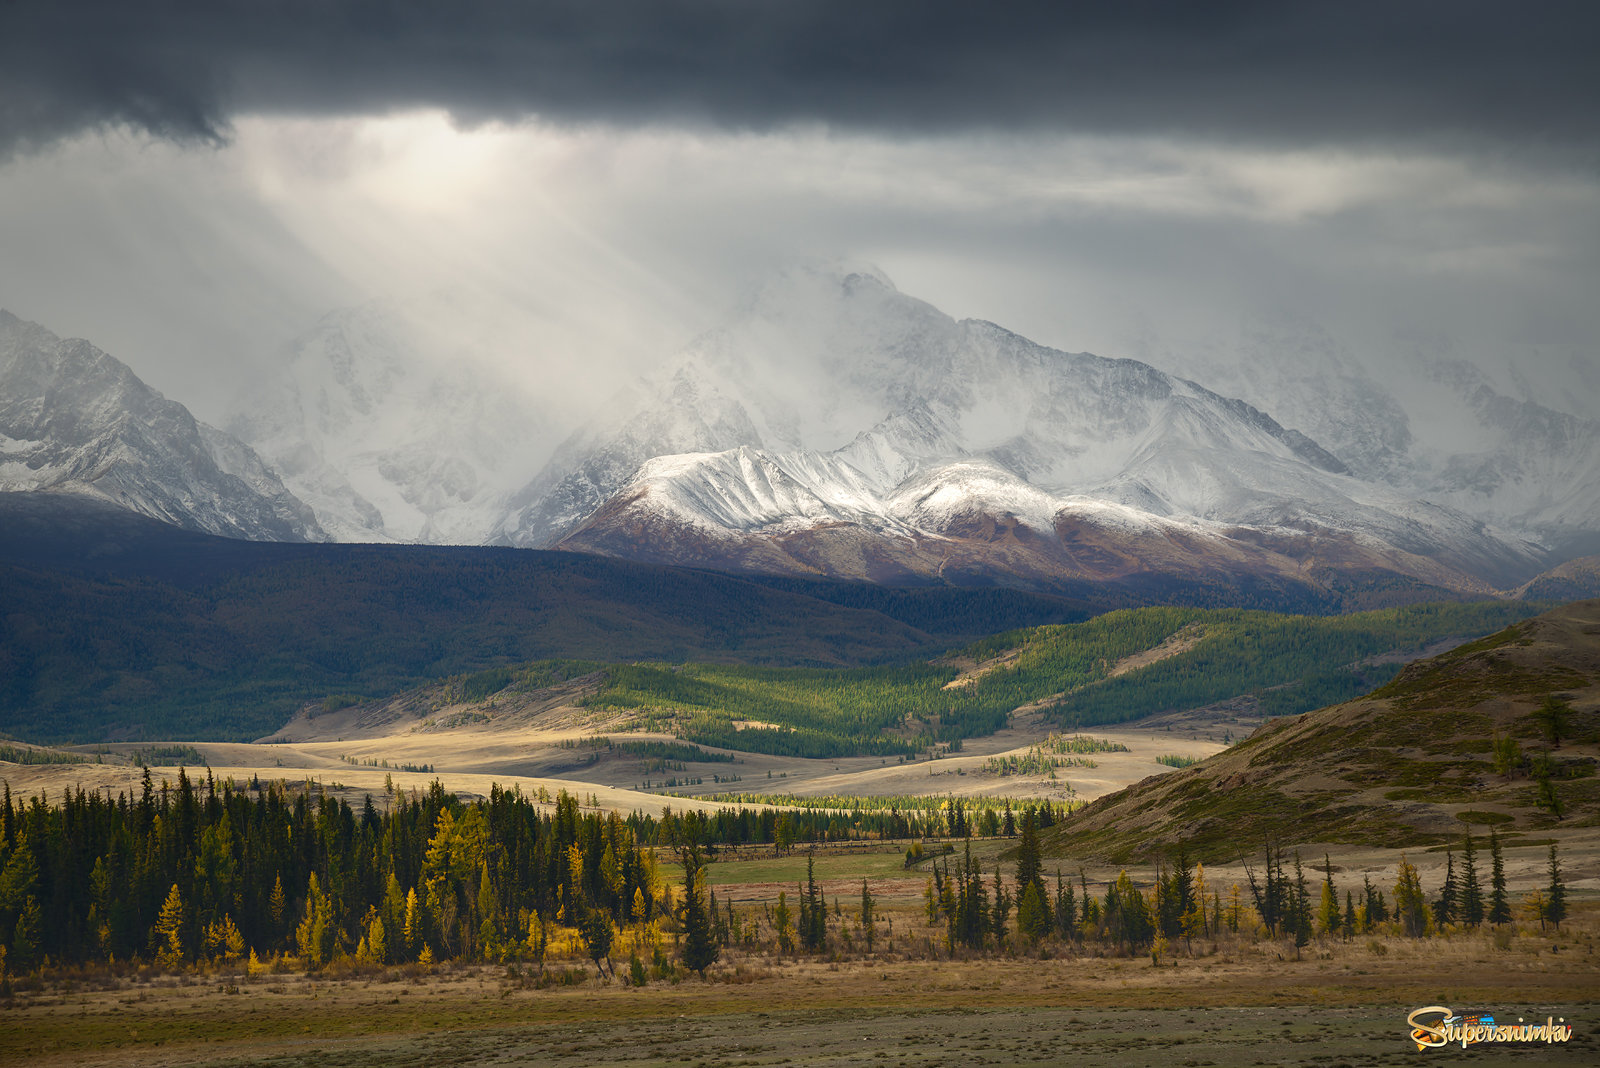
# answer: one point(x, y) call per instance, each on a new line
point(189, 185)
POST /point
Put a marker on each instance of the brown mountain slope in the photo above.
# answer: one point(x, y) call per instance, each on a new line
point(1413, 763)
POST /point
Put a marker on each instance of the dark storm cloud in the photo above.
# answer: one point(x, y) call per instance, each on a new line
point(1459, 72)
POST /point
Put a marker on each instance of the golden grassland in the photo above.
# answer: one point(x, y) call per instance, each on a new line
point(908, 1004)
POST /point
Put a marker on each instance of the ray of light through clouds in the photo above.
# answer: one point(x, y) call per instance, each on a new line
point(575, 247)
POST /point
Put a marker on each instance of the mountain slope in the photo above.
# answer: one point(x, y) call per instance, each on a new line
point(75, 420)
point(1412, 763)
point(1476, 435)
point(117, 626)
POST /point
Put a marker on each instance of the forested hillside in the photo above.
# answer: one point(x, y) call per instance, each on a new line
point(1293, 663)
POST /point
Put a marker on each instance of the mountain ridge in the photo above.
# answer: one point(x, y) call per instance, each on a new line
point(75, 419)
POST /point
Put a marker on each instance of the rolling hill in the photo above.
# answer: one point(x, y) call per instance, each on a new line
point(1454, 742)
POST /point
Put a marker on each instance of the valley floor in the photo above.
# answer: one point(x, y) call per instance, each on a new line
point(1344, 1003)
point(469, 759)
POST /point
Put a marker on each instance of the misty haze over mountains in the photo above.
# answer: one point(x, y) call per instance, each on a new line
point(835, 426)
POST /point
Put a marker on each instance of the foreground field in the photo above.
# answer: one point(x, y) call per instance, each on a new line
point(1345, 1003)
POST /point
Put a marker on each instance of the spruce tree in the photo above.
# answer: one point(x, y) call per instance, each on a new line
point(813, 911)
point(782, 924)
point(1555, 895)
point(1471, 890)
point(868, 920)
point(1444, 910)
point(1328, 916)
point(1029, 867)
point(1066, 910)
point(1033, 919)
point(699, 947)
point(597, 936)
point(1301, 911)
point(1499, 904)
point(1001, 912)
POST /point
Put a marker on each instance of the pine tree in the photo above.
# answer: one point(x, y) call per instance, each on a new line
point(1328, 917)
point(20, 915)
point(868, 920)
point(1127, 916)
point(1349, 927)
point(1168, 917)
point(596, 933)
point(782, 924)
point(1301, 911)
point(1000, 914)
point(1033, 919)
point(1377, 909)
point(1555, 895)
point(1444, 910)
point(1499, 904)
point(813, 911)
point(699, 946)
point(1066, 910)
point(1471, 890)
point(1029, 868)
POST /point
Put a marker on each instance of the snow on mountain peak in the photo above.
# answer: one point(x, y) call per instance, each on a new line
point(75, 419)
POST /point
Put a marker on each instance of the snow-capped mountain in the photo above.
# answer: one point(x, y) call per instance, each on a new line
point(1308, 379)
point(1519, 454)
point(387, 438)
point(75, 420)
point(1533, 468)
point(841, 427)
point(836, 426)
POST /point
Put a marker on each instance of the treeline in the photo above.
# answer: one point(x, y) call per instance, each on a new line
point(1283, 900)
point(210, 870)
point(213, 871)
point(900, 815)
point(18, 754)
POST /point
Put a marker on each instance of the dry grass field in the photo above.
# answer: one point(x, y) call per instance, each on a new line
point(1344, 1003)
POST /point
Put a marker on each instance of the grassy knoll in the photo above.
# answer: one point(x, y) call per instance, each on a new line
point(1464, 739)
